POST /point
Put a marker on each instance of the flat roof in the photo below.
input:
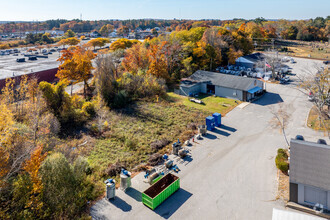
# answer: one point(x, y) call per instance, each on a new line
point(9, 67)
point(310, 163)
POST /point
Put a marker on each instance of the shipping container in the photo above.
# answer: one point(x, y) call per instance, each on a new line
point(160, 191)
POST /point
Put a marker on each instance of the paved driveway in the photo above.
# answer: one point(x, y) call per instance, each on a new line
point(231, 173)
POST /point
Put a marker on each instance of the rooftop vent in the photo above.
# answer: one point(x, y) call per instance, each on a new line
point(321, 141)
point(300, 137)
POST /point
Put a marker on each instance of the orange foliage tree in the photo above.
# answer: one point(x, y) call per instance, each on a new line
point(136, 58)
point(158, 66)
point(76, 65)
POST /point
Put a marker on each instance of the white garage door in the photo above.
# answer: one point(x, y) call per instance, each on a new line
point(314, 195)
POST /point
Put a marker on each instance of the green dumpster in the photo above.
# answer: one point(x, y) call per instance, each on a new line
point(160, 191)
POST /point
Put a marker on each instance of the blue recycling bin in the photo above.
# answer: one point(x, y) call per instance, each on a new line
point(210, 123)
point(217, 117)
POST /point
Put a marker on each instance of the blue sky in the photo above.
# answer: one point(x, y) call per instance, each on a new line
point(166, 9)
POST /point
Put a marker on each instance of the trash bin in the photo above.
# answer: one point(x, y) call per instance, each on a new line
point(125, 180)
point(110, 188)
point(217, 118)
point(210, 123)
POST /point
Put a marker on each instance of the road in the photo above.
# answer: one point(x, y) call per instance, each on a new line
point(231, 174)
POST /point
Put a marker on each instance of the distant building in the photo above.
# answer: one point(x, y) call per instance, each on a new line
point(310, 173)
point(250, 61)
point(223, 85)
point(95, 34)
point(113, 34)
point(132, 35)
point(55, 32)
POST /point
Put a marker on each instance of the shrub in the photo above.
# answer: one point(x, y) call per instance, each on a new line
point(282, 165)
point(66, 187)
point(159, 144)
point(120, 100)
point(155, 159)
point(281, 160)
point(283, 153)
point(114, 169)
point(89, 109)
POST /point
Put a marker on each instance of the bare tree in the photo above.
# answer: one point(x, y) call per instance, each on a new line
point(316, 84)
point(280, 120)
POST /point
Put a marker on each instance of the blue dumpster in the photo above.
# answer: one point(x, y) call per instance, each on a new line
point(210, 123)
point(217, 117)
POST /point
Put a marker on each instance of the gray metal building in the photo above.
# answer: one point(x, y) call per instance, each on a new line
point(310, 173)
point(223, 85)
point(250, 61)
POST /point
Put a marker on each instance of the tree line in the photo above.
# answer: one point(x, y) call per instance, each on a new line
point(308, 30)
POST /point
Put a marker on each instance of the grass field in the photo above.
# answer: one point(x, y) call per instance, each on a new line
point(307, 51)
point(211, 104)
point(133, 130)
point(314, 122)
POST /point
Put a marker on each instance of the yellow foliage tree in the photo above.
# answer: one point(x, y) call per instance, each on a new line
point(71, 41)
point(32, 167)
point(98, 42)
point(6, 133)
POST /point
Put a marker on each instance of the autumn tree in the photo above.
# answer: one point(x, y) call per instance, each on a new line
point(32, 167)
point(135, 59)
point(233, 55)
point(123, 43)
point(71, 41)
point(106, 29)
point(6, 134)
point(98, 42)
point(158, 66)
point(124, 30)
point(69, 33)
point(76, 64)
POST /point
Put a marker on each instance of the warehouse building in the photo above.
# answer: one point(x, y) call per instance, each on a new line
point(223, 85)
point(250, 61)
point(310, 173)
point(43, 67)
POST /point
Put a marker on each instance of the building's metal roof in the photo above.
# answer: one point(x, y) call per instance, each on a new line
point(223, 80)
point(255, 57)
point(310, 164)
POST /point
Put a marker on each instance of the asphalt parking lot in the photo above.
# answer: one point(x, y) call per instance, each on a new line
point(231, 173)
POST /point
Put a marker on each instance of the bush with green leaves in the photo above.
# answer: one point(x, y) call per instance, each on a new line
point(67, 188)
point(281, 160)
point(88, 109)
point(70, 111)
